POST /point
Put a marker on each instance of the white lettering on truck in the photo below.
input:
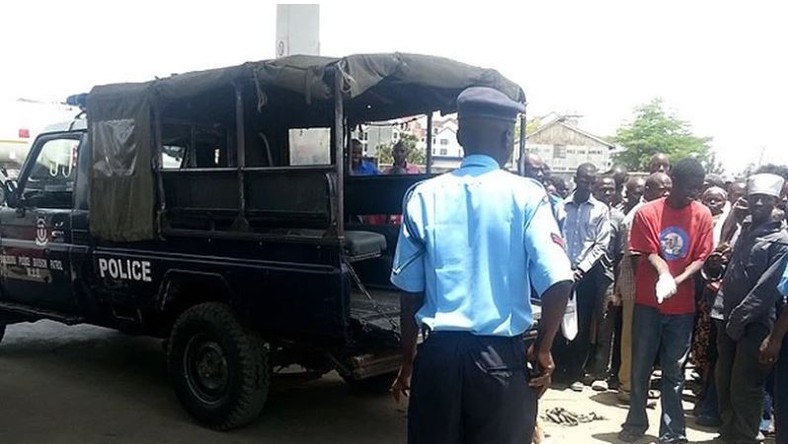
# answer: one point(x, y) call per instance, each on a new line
point(125, 269)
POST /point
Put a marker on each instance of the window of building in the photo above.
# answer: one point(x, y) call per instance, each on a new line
point(559, 151)
point(444, 141)
point(444, 151)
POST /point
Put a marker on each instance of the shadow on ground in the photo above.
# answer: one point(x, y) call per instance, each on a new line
point(92, 385)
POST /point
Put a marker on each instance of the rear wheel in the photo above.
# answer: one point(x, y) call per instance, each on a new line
point(219, 370)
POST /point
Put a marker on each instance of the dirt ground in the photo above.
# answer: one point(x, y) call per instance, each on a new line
point(85, 384)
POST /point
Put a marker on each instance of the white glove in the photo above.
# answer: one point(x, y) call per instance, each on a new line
point(666, 287)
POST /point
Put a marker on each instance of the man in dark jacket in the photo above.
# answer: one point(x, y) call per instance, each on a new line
point(747, 303)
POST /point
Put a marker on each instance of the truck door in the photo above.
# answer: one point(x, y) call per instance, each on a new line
point(35, 229)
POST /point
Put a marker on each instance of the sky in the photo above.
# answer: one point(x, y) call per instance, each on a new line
point(719, 65)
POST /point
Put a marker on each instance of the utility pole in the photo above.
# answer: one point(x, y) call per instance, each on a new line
point(760, 158)
point(297, 30)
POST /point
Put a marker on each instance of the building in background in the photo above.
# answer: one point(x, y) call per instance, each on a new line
point(564, 146)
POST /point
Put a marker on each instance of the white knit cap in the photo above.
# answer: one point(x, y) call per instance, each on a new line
point(769, 184)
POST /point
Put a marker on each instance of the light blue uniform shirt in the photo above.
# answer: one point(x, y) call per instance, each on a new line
point(474, 240)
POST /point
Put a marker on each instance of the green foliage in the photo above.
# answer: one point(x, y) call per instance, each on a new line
point(531, 125)
point(654, 130)
point(413, 154)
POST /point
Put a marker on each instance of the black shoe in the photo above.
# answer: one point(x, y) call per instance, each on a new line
point(708, 421)
point(629, 435)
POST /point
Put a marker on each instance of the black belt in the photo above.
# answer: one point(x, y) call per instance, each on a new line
point(427, 332)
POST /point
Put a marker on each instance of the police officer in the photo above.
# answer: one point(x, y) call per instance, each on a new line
point(472, 243)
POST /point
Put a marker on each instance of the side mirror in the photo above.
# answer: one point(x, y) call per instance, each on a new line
point(9, 194)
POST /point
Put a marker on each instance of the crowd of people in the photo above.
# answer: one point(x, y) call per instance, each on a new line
point(692, 263)
point(641, 275)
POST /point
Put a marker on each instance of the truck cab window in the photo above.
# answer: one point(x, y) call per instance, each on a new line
point(50, 183)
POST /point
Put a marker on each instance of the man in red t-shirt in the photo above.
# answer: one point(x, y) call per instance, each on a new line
point(673, 236)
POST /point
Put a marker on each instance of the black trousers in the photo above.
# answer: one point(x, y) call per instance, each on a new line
point(740, 381)
point(469, 389)
point(571, 356)
point(605, 357)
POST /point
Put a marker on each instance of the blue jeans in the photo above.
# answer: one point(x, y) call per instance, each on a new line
point(669, 337)
point(781, 395)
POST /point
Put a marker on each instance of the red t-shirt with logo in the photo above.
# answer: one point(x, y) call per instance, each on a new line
point(681, 237)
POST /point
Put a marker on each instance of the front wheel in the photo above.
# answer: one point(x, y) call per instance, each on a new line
point(219, 370)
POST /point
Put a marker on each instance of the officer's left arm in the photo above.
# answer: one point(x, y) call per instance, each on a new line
point(602, 240)
point(761, 298)
point(548, 265)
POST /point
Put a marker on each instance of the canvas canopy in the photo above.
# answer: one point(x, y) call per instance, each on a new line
point(297, 90)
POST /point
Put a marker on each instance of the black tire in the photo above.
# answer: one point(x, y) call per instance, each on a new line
point(2, 332)
point(375, 385)
point(219, 370)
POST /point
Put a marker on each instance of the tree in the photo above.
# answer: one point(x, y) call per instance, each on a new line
point(654, 130)
point(531, 125)
point(413, 154)
point(713, 166)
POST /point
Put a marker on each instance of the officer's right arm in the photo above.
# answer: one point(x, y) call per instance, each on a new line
point(407, 273)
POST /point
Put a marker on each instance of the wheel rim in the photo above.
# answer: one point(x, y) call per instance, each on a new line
point(207, 372)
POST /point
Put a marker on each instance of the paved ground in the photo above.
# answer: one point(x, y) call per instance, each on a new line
point(90, 385)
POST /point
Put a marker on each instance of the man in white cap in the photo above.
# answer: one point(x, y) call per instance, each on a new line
point(747, 305)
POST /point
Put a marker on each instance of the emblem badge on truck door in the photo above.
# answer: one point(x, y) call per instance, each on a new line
point(42, 234)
